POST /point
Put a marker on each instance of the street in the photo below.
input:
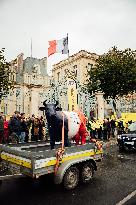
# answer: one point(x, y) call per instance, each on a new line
point(114, 180)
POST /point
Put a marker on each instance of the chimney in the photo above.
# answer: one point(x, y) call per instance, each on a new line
point(20, 62)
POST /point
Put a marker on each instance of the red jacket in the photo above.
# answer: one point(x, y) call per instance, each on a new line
point(5, 125)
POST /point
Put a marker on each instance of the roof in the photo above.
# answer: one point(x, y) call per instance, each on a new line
point(34, 64)
point(76, 56)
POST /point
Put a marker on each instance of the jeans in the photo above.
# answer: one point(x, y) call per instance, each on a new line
point(22, 137)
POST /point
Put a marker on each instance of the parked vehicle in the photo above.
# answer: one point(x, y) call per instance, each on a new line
point(126, 141)
point(68, 166)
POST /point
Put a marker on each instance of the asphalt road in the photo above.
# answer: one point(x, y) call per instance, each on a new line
point(114, 180)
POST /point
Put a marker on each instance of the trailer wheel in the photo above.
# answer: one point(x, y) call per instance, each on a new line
point(71, 178)
point(87, 173)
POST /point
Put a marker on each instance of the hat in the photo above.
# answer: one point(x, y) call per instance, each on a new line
point(17, 112)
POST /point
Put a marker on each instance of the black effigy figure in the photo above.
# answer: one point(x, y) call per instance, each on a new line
point(55, 121)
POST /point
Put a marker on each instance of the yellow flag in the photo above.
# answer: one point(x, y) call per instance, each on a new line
point(72, 95)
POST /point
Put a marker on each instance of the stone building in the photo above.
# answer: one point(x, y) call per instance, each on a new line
point(74, 69)
point(32, 85)
point(30, 79)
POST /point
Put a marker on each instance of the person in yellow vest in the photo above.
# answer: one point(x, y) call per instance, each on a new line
point(126, 127)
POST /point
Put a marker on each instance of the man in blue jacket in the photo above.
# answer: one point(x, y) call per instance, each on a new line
point(15, 126)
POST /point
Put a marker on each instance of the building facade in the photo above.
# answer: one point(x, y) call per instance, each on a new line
point(30, 80)
point(73, 70)
point(67, 85)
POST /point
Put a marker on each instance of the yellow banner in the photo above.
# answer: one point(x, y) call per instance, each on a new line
point(129, 116)
point(72, 95)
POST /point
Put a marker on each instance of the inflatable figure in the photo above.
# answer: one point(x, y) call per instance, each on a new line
point(74, 125)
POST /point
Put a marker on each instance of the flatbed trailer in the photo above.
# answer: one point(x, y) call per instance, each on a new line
point(36, 159)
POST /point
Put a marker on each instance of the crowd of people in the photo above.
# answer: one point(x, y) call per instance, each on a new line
point(21, 129)
point(104, 129)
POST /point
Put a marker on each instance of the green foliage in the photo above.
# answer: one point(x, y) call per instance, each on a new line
point(5, 74)
point(114, 73)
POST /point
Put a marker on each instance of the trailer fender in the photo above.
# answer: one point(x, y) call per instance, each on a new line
point(65, 165)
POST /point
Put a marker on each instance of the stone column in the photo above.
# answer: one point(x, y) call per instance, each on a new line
point(100, 105)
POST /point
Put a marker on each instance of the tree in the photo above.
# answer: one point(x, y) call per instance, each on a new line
point(114, 74)
point(5, 75)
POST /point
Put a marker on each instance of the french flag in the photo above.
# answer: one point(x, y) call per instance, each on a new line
point(58, 46)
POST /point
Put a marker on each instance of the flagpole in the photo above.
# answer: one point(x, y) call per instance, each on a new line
point(69, 66)
point(68, 46)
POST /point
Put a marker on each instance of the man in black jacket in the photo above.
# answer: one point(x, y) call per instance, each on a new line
point(15, 126)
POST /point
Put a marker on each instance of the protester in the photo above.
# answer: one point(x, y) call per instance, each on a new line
point(120, 127)
point(99, 130)
point(1, 128)
point(15, 127)
point(126, 128)
point(23, 128)
point(41, 128)
point(28, 131)
point(89, 127)
point(36, 129)
point(108, 128)
point(104, 130)
point(32, 127)
point(6, 130)
point(113, 126)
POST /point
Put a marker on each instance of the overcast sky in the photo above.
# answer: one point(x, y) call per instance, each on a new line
point(92, 25)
